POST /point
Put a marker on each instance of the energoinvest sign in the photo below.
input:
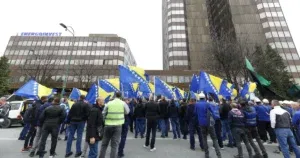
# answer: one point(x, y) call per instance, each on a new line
point(41, 34)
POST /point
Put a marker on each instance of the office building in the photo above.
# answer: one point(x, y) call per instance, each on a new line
point(188, 25)
point(47, 58)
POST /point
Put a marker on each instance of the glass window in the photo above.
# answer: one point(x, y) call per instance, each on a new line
point(169, 79)
point(265, 25)
point(287, 34)
point(276, 4)
point(62, 43)
point(291, 44)
point(115, 62)
point(277, 23)
point(48, 43)
point(85, 43)
point(116, 53)
point(106, 53)
point(38, 43)
point(288, 56)
point(120, 62)
point(272, 24)
point(259, 6)
point(274, 14)
point(280, 34)
point(262, 15)
point(175, 79)
point(274, 34)
point(283, 23)
point(284, 45)
point(122, 45)
point(268, 14)
point(279, 14)
point(29, 43)
point(278, 44)
point(293, 68)
point(268, 35)
point(296, 57)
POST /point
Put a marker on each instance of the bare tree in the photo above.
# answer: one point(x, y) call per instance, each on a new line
point(84, 72)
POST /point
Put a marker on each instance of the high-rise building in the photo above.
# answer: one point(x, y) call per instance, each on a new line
point(46, 58)
point(188, 25)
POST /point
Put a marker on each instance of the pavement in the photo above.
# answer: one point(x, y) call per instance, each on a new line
point(10, 147)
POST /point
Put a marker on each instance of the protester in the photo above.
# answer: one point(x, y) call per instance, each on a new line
point(296, 122)
point(30, 117)
point(224, 111)
point(51, 118)
point(164, 120)
point(94, 124)
point(182, 121)
point(206, 122)
point(37, 138)
point(25, 107)
point(140, 120)
point(114, 119)
point(128, 118)
point(281, 122)
point(251, 129)
point(152, 115)
point(63, 127)
point(236, 120)
point(131, 105)
point(76, 119)
point(193, 125)
point(173, 113)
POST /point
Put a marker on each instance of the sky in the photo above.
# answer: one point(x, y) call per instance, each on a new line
point(138, 21)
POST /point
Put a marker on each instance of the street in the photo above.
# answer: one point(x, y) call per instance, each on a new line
point(10, 147)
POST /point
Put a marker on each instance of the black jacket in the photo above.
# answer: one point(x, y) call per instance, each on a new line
point(32, 112)
point(152, 110)
point(79, 112)
point(236, 119)
point(163, 107)
point(224, 111)
point(173, 111)
point(139, 111)
point(52, 116)
point(190, 116)
point(94, 122)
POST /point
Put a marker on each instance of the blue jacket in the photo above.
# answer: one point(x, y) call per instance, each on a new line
point(296, 118)
point(263, 112)
point(41, 109)
point(215, 108)
point(202, 109)
point(250, 116)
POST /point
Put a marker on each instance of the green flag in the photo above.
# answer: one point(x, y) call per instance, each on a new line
point(258, 77)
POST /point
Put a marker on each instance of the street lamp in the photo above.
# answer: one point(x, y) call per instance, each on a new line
point(66, 74)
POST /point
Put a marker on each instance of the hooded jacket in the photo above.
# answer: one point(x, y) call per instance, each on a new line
point(163, 106)
point(139, 111)
point(53, 116)
point(203, 111)
point(250, 116)
point(263, 112)
point(236, 119)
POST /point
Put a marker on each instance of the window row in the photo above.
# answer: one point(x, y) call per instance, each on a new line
point(175, 5)
point(177, 53)
point(282, 45)
point(177, 44)
point(173, 28)
point(171, 36)
point(68, 43)
point(293, 68)
point(66, 62)
point(173, 79)
point(175, 20)
point(268, 5)
point(278, 34)
point(270, 14)
point(274, 24)
point(173, 12)
point(290, 56)
point(178, 62)
point(66, 52)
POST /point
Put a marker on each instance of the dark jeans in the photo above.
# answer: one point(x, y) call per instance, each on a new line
point(240, 135)
point(111, 134)
point(175, 127)
point(285, 135)
point(253, 133)
point(140, 126)
point(183, 127)
point(218, 128)
point(131, 123)
point(151, 128)
point(193, 127)
point(30, 136)
point(123, 138)
point(164, 124)
point(205, 130)
point(46, 130)
point(226, 131)
point(263, 127)
point(93, 153)
point(24, 131)
point(73, 127)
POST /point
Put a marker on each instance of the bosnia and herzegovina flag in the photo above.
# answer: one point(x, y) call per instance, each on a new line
point(146, 87)
point(248, 88)
point(132, 74)
point(162, 88)
point(180, 94)
point(95, 91)
point(33, 89)
point(76, 93)
point(209, 83)
point(110, 85)
point(194, 85)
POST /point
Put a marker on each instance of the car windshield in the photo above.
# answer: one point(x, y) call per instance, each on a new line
point(14, 106)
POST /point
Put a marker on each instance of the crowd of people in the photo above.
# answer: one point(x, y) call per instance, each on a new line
point(225, 121)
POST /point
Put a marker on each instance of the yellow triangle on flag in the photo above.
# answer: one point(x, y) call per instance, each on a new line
point(44, 91)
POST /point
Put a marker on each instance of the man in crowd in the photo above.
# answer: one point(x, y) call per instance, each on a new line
point(193, 125)
point(128, 119)
point(236, 120)
point(30, 117)
point(76, 119)
point(206, 123)
point(173, 113)
point(152, 115)
point(114, 119)
point(164, 122)
point(94, 123)
point(4, 110)
point(37, 138)
point(224, 110)
point(25, 107)
point(182, 121)
point(251, 129)
point(51, 119)
point(139, 115)
point(281, 122)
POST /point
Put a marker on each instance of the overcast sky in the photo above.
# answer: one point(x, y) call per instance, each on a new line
point(138, 21)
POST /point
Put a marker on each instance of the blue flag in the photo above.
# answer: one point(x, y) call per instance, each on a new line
point(161, 88)
point(194, 85)
point(131, 74)
point(225, 91)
